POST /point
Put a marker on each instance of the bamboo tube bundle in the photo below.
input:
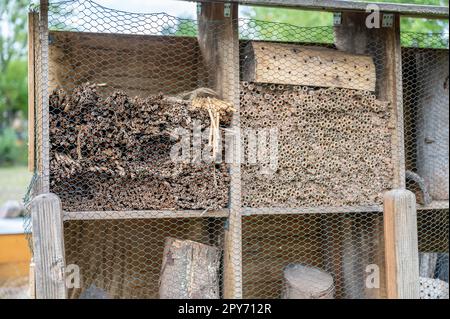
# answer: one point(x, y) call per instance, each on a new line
point(115, 152)
point(333, 143)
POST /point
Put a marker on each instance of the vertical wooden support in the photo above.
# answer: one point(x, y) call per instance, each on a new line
point(383, 44)
point(401, 245)
point(48, 247)
point(43, 104)
point(219, 44)
point(33, 20)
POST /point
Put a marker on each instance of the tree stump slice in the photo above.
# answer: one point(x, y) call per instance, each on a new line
point(303, 282)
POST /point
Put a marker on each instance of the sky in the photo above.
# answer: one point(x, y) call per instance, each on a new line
point(172, 7)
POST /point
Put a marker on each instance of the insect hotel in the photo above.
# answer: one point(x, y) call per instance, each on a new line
point(226, 157)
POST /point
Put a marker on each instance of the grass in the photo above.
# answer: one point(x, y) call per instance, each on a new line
point(14, 182)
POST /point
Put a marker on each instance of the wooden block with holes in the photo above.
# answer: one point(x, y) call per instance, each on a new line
point(312, 66)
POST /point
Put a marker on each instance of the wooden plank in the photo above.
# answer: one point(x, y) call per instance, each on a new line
point(44, 114)
point(267, 62)
point(434, 205)
point(33, 19)
point(248, 211)
point(48, 247)
point(143, 214)
point(401, 245)
point(137, 64)
point(410, 10)
point(219, 43)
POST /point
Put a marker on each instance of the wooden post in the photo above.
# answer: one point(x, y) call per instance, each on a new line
point(401, 245)
point(48, 247)
point(219, 44)
point(190, 270)
point(43, 114)
point(33, 20)
point(383, 44)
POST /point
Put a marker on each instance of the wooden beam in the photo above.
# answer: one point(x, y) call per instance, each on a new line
point(248, 211)
point(219, 43)
point(401, 245)
point(409, 10)
point(143, 214)
point(384, 45)
point(48, 247)
point(43, 103)
point(33, 26)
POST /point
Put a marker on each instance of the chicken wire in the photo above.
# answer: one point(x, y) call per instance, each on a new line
point(119, 88)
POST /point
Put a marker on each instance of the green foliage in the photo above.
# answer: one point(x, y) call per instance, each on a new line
point(12, 150)
point(13, 90)
point(13, 67)
point(418, 32)
point(13, 78)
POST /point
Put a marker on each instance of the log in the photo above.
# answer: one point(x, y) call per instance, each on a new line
point(432, 122)
point(303, 282)
point(190, 270)
point(427, 264)
point(301, 65)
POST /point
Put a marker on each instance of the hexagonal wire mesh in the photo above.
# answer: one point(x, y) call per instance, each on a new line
point(319, 146)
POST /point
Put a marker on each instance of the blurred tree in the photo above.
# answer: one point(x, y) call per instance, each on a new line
point(263, 29)
point(13, 63)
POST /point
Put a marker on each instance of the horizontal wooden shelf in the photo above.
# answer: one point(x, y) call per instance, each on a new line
point(311, 210)
point(143, 214)
point(441, 204)
point(246, 211)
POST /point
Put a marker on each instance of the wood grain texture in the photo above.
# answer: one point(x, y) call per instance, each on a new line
point(190, 270)
point(219, 44)
point(432, 120)
point(312, 66)
point(48, 247)
point(424, 11)
point(136, 64)
point(33, 19)
point(401, 245)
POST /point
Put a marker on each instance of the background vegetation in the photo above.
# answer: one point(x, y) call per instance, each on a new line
point(13, 54)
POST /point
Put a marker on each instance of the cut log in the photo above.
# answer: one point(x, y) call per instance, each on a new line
point(303, 282)
point(427, 264)
point(302, 65)
point(190, 270)
point(432, 122)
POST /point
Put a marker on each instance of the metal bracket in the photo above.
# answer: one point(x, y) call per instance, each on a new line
point(337, 18)
point(51, 40)
point(227, 10)
point(388, 20)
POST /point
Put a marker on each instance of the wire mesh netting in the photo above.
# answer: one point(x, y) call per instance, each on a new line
point(189, 164)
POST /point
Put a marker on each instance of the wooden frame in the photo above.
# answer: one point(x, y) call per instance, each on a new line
point(401, 252)
point(410, 10)
point(33, 20)
point(219, 43)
